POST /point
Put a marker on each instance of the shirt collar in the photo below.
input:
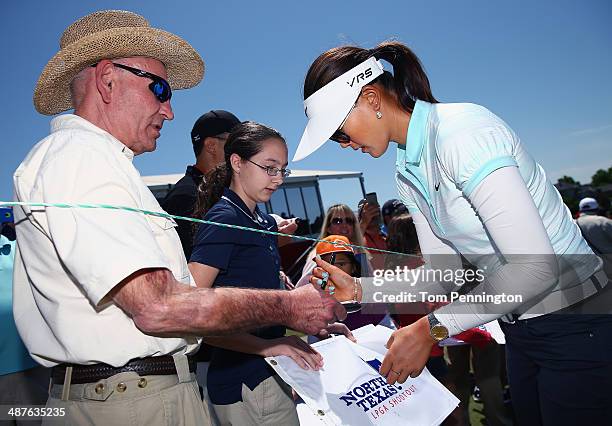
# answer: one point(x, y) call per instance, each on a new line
point(194, 172)
point(72, 121)
point(238, 201)
point(412, 152)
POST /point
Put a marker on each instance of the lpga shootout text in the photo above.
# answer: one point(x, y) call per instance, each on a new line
point(412, 277)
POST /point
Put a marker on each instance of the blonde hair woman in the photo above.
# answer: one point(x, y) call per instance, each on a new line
point(339, 220)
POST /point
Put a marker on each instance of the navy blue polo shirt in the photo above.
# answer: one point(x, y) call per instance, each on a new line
point(244, 259)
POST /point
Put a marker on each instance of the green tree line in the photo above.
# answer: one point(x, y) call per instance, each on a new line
point(600, 178)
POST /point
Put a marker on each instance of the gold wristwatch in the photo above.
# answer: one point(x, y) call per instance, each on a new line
point(436, 330)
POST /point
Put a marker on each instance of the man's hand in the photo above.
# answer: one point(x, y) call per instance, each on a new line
point(409, 350)
point(344, 284)
point(312, 310)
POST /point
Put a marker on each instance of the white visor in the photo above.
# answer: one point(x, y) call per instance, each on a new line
point(328, 107)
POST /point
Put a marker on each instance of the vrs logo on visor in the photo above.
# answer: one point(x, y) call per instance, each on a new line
point(362, 75)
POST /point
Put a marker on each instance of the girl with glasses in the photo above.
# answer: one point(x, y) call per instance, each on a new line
point(241, 386)
point(474, 190)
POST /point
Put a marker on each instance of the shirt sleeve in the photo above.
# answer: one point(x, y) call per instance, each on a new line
point(99, 247)
point(471, 153)
point(212, 244)
point(515, 227)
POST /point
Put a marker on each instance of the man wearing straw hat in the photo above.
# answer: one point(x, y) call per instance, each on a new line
point(104, 296)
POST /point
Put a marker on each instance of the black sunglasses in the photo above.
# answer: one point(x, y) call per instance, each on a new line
point(339, 136)
point(341, 220)
point(272, 171)
point(160, 87)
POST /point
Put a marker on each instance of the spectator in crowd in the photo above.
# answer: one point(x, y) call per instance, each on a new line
point(597, 231)
point(105, 296)
point(208, 138)
point(391, 209)
point(344, 254)
point(241, 385)
point(339, 220)
point(369, 223)
point(345, 260)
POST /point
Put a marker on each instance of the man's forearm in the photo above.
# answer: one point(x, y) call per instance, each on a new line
point(160, 305)
point(222, 311)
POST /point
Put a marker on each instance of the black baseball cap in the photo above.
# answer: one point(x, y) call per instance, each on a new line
point(394, 207)
point(213, 123)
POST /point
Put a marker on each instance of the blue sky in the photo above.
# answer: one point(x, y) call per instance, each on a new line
point(545, 67)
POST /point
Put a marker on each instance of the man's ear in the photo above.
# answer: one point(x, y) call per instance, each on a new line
point(105, 79)
point(210, 145)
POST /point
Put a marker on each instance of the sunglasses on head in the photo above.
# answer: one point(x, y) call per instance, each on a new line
point(341, 220)
point(160, 87)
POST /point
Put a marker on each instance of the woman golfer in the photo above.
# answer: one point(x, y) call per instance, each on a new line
point(474, 190)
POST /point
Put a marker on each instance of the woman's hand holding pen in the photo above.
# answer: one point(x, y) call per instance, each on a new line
point(345, 287)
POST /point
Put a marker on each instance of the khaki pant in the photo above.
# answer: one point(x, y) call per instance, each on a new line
point(270, 403)
point(130, 399)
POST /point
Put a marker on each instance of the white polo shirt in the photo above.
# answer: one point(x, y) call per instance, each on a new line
point(67, 260)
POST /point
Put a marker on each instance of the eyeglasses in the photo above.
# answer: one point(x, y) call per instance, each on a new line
point(273, 171)
point(339, 136)
point(160, 87)
point(341, 220)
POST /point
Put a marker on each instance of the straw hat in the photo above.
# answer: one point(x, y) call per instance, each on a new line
point(110, 34)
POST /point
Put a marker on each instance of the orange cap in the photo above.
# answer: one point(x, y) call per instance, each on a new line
point(334, 244)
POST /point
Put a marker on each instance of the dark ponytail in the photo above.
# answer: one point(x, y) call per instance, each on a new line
point(210, 189)
point(408, 81)
point(246, 140)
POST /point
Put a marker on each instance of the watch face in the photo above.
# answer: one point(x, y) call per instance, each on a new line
point(439, 332)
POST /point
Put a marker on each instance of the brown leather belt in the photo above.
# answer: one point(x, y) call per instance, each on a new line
point(152, 366)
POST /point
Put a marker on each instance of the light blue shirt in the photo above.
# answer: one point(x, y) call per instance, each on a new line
point(13, 354)
point(450, 149)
